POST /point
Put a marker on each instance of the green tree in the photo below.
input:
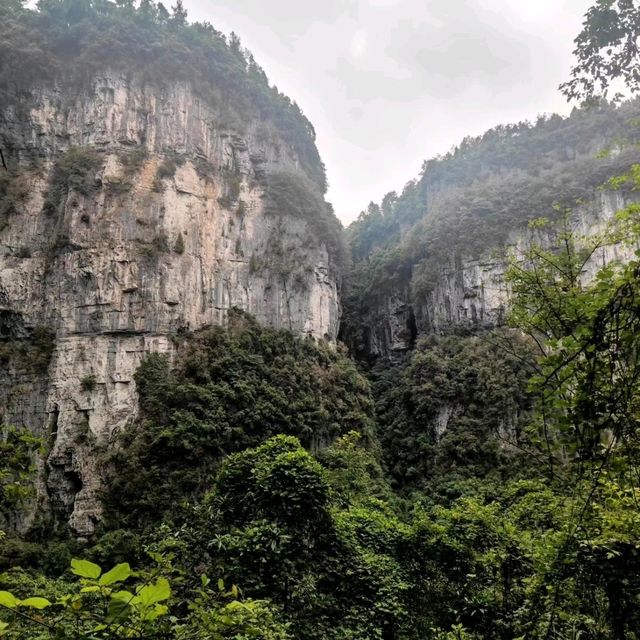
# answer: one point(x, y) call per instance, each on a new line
point(606, 51)
point(18, 450)
point(587, 332)
point(179, 14)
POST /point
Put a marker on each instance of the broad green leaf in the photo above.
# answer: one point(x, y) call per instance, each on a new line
point(91, 589)
point(85, 569)
point(8, 600)
point(154, 613)
point(35, 603)
point(152, 593)
point(119, 573)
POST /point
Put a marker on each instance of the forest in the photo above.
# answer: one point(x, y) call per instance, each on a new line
point(484, 485)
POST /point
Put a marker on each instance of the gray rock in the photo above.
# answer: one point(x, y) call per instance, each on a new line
point(102, 273)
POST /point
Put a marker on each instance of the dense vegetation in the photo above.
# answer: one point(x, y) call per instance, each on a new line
point(230, 389)
point(273, 541)
point(454, 410)
point(72, 40)
point(506, 532)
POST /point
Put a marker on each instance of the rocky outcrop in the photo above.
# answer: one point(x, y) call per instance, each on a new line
point(157, 227)
point(471, 293)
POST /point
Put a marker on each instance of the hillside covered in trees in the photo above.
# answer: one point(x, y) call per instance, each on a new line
point(72, 41)
point(467, 203)
point(269, 485)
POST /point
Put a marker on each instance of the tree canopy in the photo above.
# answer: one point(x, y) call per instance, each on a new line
point(69, 41)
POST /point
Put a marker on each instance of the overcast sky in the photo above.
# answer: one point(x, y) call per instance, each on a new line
point(390, 83)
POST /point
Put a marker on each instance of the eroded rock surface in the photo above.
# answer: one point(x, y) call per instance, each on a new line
point(471, 293)
point(169, 234)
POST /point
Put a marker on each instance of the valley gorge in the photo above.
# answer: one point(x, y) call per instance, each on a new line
point(168, 231)
point(226, 416)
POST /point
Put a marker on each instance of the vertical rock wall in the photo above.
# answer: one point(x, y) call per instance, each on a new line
point(471, 293)
point(167, 233)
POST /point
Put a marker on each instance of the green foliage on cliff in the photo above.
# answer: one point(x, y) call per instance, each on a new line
point(74, 170)
point(504, 178)
point(73, 40)
point(455, 409)
point(230, 389)
point(293, 194)
point(466, 203)
point(18, 449)
point(14, 190)
point(587, 332)
point(28, 354)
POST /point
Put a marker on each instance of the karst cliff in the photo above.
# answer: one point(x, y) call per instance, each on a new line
point(433, 258)
point(155, 181)
point(132, 213)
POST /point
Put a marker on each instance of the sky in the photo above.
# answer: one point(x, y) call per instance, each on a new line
point(388, 84)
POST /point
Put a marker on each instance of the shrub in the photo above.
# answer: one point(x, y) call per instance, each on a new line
point(118, 186)
point(155, 248)
point(133, 160)
point(88, 383)
point(168, 167)
point(292, 194)
point(33, 353)
point(117, 546)
point(178, 247)
point(14, 190)
point(74, 170)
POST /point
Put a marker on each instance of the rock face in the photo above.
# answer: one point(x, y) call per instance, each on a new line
point(164, 232)
point(471, 293)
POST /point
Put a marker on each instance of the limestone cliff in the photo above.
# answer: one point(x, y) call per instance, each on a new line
point(469, 292)
point(432, 258)
point(155, 225)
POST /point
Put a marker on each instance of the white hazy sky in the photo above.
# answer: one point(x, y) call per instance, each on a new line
point(390, 83)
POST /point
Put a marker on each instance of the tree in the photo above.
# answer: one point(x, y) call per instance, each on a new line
point(334, 570)
point(178, 14)
point(588, 388)
point(606, 50)
point(588, 333)
point(18, 449)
